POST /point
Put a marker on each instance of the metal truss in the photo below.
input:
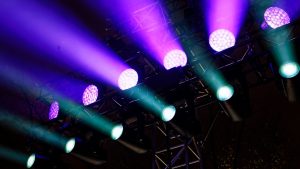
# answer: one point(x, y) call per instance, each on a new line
point(177, 151)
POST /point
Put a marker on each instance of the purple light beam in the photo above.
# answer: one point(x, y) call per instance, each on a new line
point(224, 15)
point(147, 23)
point(53, 32)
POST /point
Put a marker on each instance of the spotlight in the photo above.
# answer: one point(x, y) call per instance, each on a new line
point(221, 39)
point(276, 17)
point(175, 58)
point(116, 132)
point(54, 110)
point(17, 156)
point(128, 79)
point(70, 145)
point(37, 131)
point(289, 70)
point(168, 113)
point(30, 161)
point(225, 92)
point(79, 92)
point(90, 95)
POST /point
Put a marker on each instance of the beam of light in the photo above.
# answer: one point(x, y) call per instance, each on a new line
point(147, 23)
point(284, 55)
point(224, 19)
point(79, 91)
point(91, 119)
point(210, 75)
point(67, 105)
point(152, 103)
point(221, 39)
point(54, 33)
point(281, 13)
point(34, 130)
point(276, 17)
point(18, 157)
point(54, 110)
point(90, 95)
point(214, 79)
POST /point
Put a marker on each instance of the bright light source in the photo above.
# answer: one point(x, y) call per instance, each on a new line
point(90, 95)
point(70, 145)
point(175, 58)
point(221, 39)
point(116, 132)
point(276, 17)
point(289, 70)
point(168, 113)
point(225, 92)
point(30, 160)
point(128, 79)
point(54, 110)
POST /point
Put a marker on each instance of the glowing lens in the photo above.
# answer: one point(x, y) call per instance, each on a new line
point(224, 93)
point(289, 70)
point(168, 113)
point(221, 39)
point(70, 145)
point(128, 79)
point(116, 132)
point(175, 58)
point(276, 17)
point(30, 161)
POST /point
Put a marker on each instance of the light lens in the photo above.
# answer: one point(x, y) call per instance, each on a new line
point(221, 39)
point(168, 113)
point(128, 79)
point(70, 145)
point(276, 17)
point(30, 160)
point(289, 70)
point(90, 95)
point(54, 110)
point(116, 132)
point(225, 92)
point(175, 58)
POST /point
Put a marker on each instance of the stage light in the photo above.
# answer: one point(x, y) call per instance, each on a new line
point(225, 92)
point(36, 131)
point(30, 160)
point(168, 113)
point(16, 156)
point(150, 28)
point(276, 17)
point(128, 79)
point(70, 145)
point(221, 39)
point(175, 58)
point(289, 70)
point(116, 132)
point(90, 95)
point(54, 110)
